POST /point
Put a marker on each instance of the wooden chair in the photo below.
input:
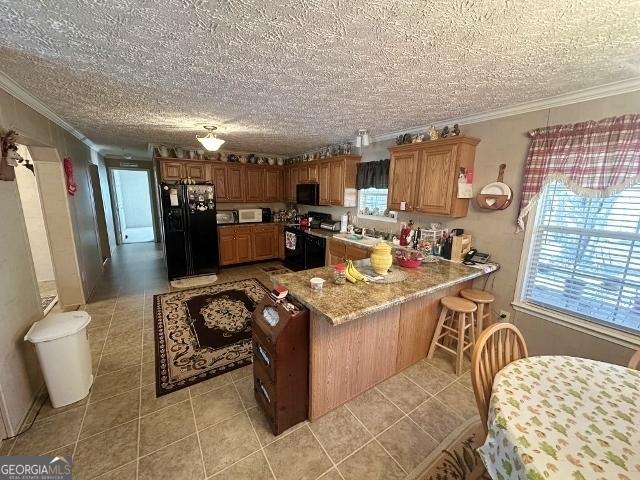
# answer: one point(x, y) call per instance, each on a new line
point(634, 363)
point(496, 347)
point(455, 328)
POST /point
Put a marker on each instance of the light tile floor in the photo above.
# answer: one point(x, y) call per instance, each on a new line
point(214, 429)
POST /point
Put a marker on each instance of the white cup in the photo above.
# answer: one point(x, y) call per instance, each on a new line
point(317, 283)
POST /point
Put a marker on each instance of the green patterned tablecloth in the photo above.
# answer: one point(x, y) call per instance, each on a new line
point(564, 418)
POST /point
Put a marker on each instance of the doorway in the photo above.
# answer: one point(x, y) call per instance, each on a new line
point(133, 215)
point(37, 233)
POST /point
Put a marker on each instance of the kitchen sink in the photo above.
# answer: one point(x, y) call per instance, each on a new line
point(355, 238)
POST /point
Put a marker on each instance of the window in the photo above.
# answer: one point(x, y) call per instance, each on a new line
point(585, 256)
point(372, 203)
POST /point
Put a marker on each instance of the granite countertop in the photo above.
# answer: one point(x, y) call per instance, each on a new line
point(342, 303)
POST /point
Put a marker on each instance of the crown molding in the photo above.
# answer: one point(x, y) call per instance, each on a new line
point(13, 88)
point(584, 95)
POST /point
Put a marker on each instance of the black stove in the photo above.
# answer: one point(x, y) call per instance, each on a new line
point(307, 251)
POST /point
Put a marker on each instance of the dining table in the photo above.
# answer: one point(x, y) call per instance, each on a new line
point(560, 417)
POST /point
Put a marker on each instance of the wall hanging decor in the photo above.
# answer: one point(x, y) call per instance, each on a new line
point(496, 195)
point(68, 174)
point(10, 157)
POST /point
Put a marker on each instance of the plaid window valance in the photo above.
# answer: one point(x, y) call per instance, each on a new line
point(594, 159)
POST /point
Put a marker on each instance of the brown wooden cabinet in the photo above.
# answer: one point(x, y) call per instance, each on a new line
point(272, 185)
point(196, 171)
point(254, 184)
point(281, 364)
point(303, 173)
point(171, 171)
point(293, 182)
point(402, 179)
point(336, 191)
point(338, 251)
point(425, 175)
point(312, 172)
point(324, 179)
point(219, 178)
point(235, 183)
point(264, 242)
point(227, 246)
point(234, 245)
point(249, 243)
point(244, 244)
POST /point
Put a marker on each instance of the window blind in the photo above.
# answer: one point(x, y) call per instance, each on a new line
point(585, 256)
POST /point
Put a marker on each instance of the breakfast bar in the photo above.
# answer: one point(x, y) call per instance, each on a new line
point(363, 333)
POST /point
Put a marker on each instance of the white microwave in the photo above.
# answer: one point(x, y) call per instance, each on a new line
point(249, 215)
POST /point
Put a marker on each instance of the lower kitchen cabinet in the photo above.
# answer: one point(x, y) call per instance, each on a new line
point(339, 251)
point(243, 244)
point(265, 242)
point(235, 245)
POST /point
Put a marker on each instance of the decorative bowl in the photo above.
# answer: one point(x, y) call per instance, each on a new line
point(409, 263)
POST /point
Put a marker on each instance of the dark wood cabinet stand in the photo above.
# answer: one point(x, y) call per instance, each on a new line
point(281, 362)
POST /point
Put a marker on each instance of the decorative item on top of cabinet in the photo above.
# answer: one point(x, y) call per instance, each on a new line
point(280, 341)
point(424, 176)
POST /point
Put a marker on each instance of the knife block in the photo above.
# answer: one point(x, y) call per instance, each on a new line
point(460, 246)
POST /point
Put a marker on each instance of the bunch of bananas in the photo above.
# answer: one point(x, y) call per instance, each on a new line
point(353, 275)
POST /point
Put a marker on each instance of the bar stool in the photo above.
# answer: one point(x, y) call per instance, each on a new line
point(453, 328)
point(483, 300)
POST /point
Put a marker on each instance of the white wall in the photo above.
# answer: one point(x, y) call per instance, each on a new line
point(505, 140)
point(34, 220)
point(19, 308)
point(74, 246)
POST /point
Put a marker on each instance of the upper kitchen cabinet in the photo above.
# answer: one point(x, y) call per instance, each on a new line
point(402, 179)
point(235, 183)
point(197, 171)
point(172, 171)
point(342, 179)
point(425, 175)
point(312, 172)
point(219, 178)
point(336, 177)
point(273, 184)
point(324, 180)
point(294, 175)
point(254, 177)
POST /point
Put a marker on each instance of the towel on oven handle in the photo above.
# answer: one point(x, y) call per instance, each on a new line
point(290, 240)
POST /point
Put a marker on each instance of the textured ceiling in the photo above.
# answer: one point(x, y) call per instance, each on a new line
point(285, 79)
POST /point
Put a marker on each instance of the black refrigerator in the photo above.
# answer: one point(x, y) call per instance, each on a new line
point(190, 229)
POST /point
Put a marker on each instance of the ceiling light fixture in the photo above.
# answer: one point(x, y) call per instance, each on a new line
point(362, 140)
point(210, 141)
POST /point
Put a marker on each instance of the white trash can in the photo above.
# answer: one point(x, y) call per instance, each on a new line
point(63, 351)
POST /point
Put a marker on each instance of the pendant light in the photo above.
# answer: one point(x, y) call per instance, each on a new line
point(210, 141)
point(362, 140)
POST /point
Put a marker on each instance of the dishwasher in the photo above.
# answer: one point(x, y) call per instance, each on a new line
point(314, 254)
